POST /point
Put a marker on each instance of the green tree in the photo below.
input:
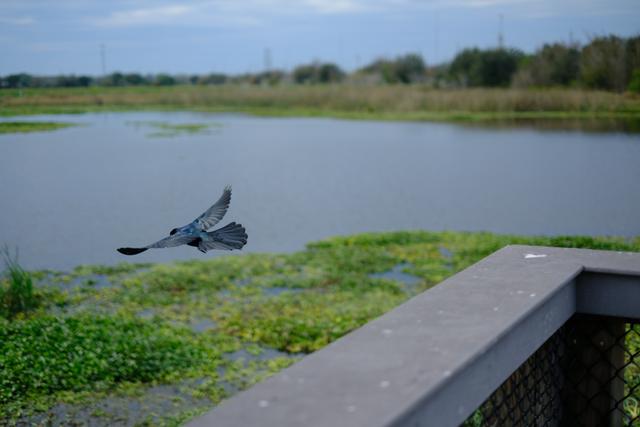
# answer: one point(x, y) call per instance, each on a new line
point(164, 80)
point(72, 81)
point(632, 56)
point(271, 77)
point(634, 84)
point(18, 80)
point(465, 69)
point(554, 64)
point(84, 81)
point(317, 73)
point(406, 69)
point(603, 64)
point(329, 73)
point(135, 79)
point(409, 68)
point(304, 74)
point(113, 79)
point(213, 79)
point(490, 67)
point(382, 67)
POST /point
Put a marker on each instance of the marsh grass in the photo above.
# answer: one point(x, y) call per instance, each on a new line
point(346, 101)
point(17, 295)
point(24, 127)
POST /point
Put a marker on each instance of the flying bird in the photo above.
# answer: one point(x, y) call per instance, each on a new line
point(231, 236)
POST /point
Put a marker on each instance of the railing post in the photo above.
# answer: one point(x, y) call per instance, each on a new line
point(594, 384)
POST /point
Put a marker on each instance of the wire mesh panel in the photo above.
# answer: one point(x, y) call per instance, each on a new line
point(586, 374)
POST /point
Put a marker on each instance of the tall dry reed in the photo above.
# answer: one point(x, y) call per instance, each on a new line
point(344, 98)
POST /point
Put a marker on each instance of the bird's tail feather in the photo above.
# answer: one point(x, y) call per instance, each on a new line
point(131, 251)
point(231, 236)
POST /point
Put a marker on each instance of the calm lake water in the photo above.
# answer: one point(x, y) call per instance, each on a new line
point(73, 196)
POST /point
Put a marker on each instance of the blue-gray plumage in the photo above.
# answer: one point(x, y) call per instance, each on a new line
point(231, 236)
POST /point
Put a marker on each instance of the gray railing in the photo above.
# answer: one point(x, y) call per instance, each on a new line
point(484, 347)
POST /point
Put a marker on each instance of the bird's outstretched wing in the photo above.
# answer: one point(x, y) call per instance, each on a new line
point(214, 214)
point(167, 242)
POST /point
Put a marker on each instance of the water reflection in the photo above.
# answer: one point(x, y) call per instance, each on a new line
point(630, 125)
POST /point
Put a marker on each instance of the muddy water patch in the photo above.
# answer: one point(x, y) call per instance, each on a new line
point(202, 325)
point(447, 255)
point(408, 281)
point(253, 362)
point(248, 285)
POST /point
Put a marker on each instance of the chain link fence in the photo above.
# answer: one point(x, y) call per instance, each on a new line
point(586, 374)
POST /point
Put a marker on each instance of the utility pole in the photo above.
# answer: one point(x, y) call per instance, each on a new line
point(500, 33)
point(103, 59)
point(267, 59)
point(435, 37)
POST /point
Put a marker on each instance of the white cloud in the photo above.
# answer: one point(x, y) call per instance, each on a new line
point(230, 12)
point(488, 3)
point(247, 13)
point(335, 6)
point(157, 15)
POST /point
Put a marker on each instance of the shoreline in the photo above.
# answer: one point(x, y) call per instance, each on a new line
point(546, 120)
point(352, 102)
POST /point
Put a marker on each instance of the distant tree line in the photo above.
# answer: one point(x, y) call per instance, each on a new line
point(607, 62)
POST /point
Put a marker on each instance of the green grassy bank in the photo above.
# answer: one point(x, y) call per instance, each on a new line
point(400, 102)
point(174, 339)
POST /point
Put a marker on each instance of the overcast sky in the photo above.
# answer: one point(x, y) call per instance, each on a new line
point(232, 36)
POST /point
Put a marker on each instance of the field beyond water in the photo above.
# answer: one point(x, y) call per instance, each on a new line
point(158, 344)
point(351, 101)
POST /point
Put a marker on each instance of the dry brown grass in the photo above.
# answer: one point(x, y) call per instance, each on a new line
point(402, 100)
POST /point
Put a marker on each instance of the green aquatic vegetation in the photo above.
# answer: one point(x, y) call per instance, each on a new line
point(23, 127)
point(166, 129)
point(109, 270)
point(198, 282)
point(296, 303)
point(49, 354)
point(82, 360)
point(305, 322)
point(170, 284)
point(367, 259)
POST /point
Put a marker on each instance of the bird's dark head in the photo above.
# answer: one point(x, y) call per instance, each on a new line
point(174, 231)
